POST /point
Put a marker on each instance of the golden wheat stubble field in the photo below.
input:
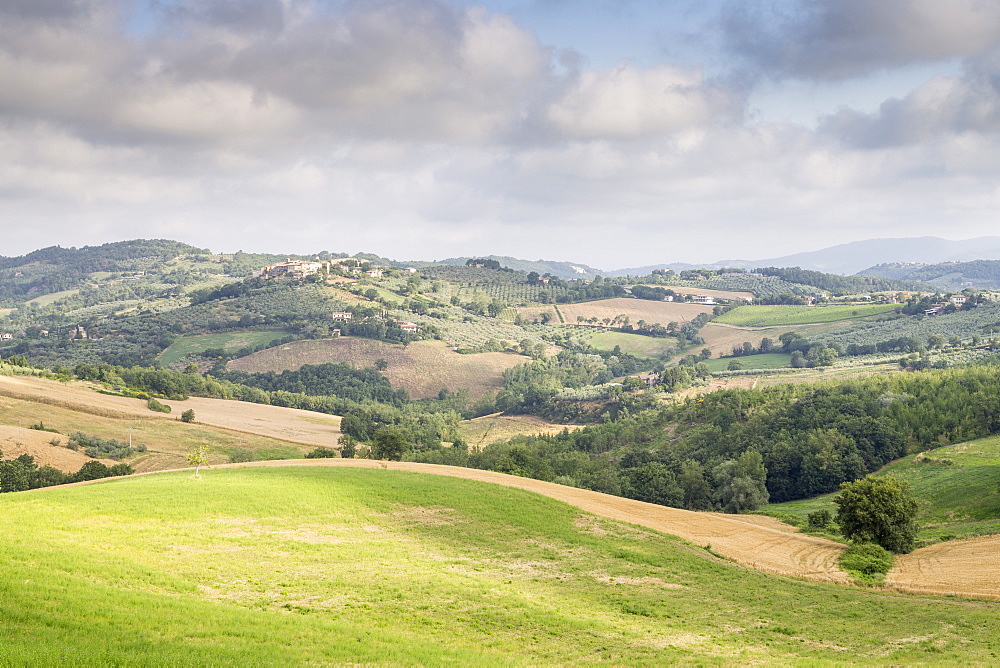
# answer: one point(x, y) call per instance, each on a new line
point(288, 424)
point(422, 368)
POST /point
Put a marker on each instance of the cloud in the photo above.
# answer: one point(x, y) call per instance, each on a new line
point(627, 102)
point(965, 104)
point(838, 39)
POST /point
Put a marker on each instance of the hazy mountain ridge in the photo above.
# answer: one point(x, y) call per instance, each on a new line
point(857, 256)
point(945, 275)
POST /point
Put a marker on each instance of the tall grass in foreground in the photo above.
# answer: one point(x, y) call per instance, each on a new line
point(325, 565)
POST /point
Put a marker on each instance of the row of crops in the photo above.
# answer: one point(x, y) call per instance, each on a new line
point(774, 316)
point(982, 321)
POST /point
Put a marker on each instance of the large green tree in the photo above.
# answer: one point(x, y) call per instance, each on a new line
point(878, 510)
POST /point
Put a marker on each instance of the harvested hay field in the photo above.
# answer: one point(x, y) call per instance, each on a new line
point(720, 339)
point(953, 568)
point(635, 309)
point(17, 441)
point(487, 429)
point(421, 368)
point(289, 424)
point(714, 294)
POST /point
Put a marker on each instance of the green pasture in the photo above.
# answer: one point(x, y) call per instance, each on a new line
point(319, 566)
point(774, 316)
point(229, 342)
point(634, 344)
point(958, 487)
point(760, 361)
point(52, 297)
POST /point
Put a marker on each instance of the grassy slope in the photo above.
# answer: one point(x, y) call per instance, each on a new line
point(196, 344)
point(292, 566)
point(761, 361)
point(422, 368)
point(633, 344)
point(957, 499)
point(772, 316)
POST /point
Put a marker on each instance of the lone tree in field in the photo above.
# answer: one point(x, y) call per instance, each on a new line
point(198, 458)
point(878, 510)
point(188, 415)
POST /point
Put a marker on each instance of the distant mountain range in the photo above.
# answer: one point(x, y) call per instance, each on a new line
point(856, 256)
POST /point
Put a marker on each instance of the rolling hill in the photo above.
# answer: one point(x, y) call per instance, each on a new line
point(320, 565)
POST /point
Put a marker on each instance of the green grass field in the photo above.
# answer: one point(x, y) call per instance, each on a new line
point(764, 361)
point(774, 316)
point(45, 300)
point(633, 344)
point(317, 566)
point(233, 341)
point(957, 499)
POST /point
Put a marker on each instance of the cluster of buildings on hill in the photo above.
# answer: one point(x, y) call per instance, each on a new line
point(405, 325)
point(300, 269)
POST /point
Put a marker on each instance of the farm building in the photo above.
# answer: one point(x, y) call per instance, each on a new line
point(293, 269)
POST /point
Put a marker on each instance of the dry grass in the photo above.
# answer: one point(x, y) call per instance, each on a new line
point(288, 424)
point(17, 441)
point(953, 568)
point(421, 368)
point(488, 429)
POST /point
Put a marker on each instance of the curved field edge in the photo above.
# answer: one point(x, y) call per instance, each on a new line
point(318, 565)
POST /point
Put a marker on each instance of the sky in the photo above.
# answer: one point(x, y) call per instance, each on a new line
point(616, 133)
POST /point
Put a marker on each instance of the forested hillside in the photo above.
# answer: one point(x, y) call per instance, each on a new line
point(946, 275)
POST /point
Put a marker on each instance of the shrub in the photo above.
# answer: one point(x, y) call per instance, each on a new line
point(240, 455)
point(97, 447)
point(866, 562)
point(819, 519)
point(322, 453)
point(154, 405)
point(188, 415)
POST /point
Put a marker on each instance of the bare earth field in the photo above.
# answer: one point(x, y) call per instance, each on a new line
point(421, 368)
point(635, 309)
point(289, 424)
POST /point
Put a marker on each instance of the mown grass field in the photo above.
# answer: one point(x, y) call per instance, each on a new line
point(633, 344)
point(764, 361)
point(422, 368)
point(186, 345)
point(958, 487)
point(45, 300)
point(315, 566)
point(773, 316)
